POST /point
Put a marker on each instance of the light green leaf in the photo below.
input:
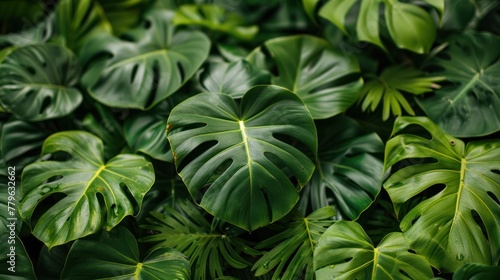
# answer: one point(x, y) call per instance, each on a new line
point(347, 167)
point(291, 250)
point(209, 249)
point(326, 80)
point(216, 18)
point(236, 160)
point(233, 78)
point(344, 251)
point(310, 8)
point(82, 193)
point(116, 255)
point(470, 106)
point(459, 222)
point(38, 82)
point(152, 63)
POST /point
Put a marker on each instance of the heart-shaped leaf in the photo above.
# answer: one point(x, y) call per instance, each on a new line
point(37, 82)
point(459, 222)
point(347, 166)
point(238, 163)
point(77, 196)
point(326, 80)
point(150, 63)
point(470, 106)
point(344, 251)
point(116, 255)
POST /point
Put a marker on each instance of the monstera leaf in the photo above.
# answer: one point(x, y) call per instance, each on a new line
point(233, 78)
point(116, 255)
point(326, 80)
point(216, 18)
point(37, 82)
point(347, 166)
point(148, 65)
point(240, 161)
point(292, 248)
point(410, 26)
point(209, 249)
point(474, 271)
point(461, 222)
point(77, 196)
point(344, 251)
point(470, 106)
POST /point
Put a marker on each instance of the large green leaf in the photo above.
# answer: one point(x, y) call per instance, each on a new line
point(291, 250)
point(216, 18)
point(236, 159)
point(460, 220)
point(84, 192)
point(233, 78)
point(116, 255)
point(209, 249)
point(148, 65)
point(21, 267)
point(347, 167)
point(344, 251)
point(470, 106)
point(410, 26)
point(326, 80)
point(37, 82)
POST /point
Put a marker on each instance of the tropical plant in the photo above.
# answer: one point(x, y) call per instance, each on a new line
point(249, 139)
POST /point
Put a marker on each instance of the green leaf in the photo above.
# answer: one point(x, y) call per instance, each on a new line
point(188, 231)
point(310, 8)
point(20, 143)
point(38, 82)
point(236, 160)
point(51, 263)
point(82, 193)
point(116, 255)
point(292, 249)
point(152, 63)
point(344, 251)
point(410, 26)
point(9, 216)
point(78, 20)
point(123, 14)
point(216, 18)
point(21, 268)
point(389, 87)
point(470, 106)
point(233, 78)
point(326, 80)
point(347, 167)
point(475, 271)
point(459, 222)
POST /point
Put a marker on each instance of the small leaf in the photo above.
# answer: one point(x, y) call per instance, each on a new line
point(81, 193)
point(116, 255)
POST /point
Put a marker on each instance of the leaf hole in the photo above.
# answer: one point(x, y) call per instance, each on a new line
point(30, 70)
point(155, 80)
point(404, 273)
point(182, 74)
point(147, 24)
point(127, 37)
point(480, 223)
point(496, 171)
point(494, 197)
point(195, 153)
point(125, 189)
point(45, 204)
point(411, 251)
point(415, 220)
point(45, 104)
point(434, 190)
point(133, 73)
point(268, 204)
point(416, 130)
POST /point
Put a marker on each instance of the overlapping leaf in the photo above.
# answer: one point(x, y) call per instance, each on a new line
point(347, 166)
point(38, 82)
point(20, 268)
point(148, 65)
point(232, 159)
point(327, 81)
point(292, 250)
point(344, 251)
point(83, 193)
point(470, 106)
point(116, 255)
point(459, 222)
